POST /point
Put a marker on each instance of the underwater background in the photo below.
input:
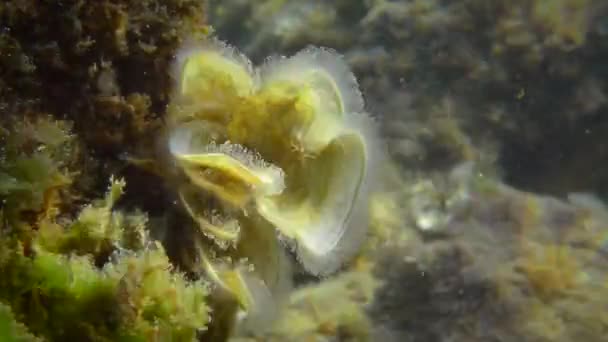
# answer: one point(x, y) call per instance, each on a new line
point(303, 170)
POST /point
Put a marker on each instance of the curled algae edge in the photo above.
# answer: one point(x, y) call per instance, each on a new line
point(215, 55)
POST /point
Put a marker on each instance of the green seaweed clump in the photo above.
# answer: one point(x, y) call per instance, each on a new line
point(37, 157)
point(93, 275)
point(11, 330)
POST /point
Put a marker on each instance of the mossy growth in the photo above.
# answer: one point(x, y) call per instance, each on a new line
point(90, 276)
point(101, 64)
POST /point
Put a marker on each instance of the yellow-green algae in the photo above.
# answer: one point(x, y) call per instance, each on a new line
point(282, 153)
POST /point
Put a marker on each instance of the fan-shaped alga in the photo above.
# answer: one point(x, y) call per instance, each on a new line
point(266, 157)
